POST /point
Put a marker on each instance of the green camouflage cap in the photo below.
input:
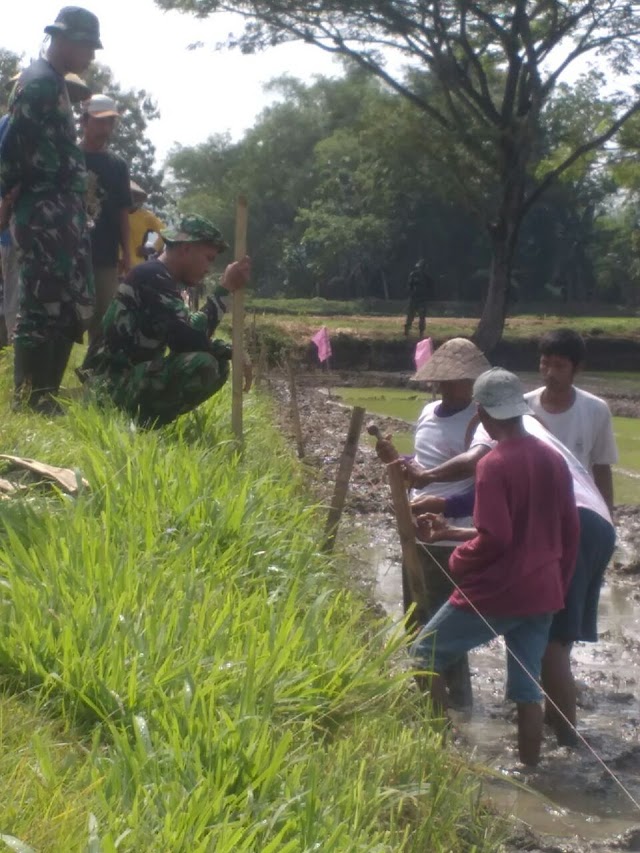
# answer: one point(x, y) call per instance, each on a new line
point(77, 24)
point(195, 229)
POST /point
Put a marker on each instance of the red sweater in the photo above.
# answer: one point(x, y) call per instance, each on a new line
point(522, 559)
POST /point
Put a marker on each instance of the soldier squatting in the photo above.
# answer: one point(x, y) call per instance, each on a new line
point(44, 183)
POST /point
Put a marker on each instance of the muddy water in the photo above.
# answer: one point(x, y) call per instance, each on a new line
point(569, 794)
point(570, 802)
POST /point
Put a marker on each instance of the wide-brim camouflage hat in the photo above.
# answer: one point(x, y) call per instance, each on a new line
point(77, 24)
point(457, 358)
point(195, 229)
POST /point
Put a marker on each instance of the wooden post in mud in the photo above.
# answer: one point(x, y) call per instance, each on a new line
point(237, 331)
point(406, 531)
point(295, 410)
point(344, 476)
point(261, 370)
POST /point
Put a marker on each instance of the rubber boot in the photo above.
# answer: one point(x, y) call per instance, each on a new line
point(30, 366)
point(58, 351)
point(61, 350)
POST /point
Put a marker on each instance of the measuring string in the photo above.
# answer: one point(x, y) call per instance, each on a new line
point(600, 760)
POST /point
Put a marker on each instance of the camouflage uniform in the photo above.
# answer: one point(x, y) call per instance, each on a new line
point(146, 318)
point(39, 153)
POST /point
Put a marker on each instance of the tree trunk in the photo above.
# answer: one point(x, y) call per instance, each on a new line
point(385, 285)
point(489, 331)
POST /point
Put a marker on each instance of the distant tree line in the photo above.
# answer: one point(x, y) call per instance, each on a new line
point(346, 194)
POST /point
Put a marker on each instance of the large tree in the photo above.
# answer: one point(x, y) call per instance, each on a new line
point(493, 67)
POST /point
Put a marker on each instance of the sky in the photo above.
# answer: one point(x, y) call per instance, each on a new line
point(199, 92)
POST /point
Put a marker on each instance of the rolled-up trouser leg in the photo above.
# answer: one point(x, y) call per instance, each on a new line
point(457, 676)
point(157, 392)
point(106, 285)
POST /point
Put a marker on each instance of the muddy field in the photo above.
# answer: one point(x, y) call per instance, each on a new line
point(569, 803)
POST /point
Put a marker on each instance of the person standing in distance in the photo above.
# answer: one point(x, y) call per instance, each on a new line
point(43, 184)
point(108, 204)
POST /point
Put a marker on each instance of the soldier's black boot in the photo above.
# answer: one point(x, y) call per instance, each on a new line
point(30, 366)
point(61, 350)
point(58, 352)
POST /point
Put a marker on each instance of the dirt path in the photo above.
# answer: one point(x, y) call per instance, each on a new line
point(571, 804)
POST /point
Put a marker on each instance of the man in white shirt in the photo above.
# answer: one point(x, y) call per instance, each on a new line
point(580, 420)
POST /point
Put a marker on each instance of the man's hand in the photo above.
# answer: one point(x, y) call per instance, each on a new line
point(237, 274)
point(247, 372)
point(415, 476)
point(124, 264)
point(432, 527)
point(386, 450)
point(428, 503)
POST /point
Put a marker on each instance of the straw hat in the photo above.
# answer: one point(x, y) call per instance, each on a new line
point(455, 359)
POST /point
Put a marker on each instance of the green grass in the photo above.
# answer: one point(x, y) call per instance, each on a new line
point(407, 404)
point(186, 672)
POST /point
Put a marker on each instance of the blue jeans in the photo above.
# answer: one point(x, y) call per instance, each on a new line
point(453, 631)
point(578, 621)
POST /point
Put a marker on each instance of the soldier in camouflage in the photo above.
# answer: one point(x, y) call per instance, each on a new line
point(43, 184)
point(148, 317)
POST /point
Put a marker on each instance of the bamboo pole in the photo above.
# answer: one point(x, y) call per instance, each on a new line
point(295, 410)
point(237, 335)
point(406, 532)
point(343, 477)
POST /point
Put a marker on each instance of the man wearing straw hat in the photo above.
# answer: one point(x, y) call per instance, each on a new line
point(443, 431)
point(43, 184)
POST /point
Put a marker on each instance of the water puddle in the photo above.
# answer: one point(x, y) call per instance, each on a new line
point(569, 794)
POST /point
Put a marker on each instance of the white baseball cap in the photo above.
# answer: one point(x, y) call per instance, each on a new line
point(100, 106)
point(500, 394)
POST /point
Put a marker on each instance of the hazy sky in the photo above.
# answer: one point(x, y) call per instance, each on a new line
point(199, 92)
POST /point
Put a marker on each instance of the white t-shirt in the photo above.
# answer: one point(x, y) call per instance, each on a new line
point(584, 489)
point(438, 440)
point(585, 428)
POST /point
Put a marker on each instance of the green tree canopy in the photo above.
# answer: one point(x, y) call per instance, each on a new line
point(492, 68)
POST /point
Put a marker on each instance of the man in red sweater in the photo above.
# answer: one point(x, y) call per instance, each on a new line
point(513, 571)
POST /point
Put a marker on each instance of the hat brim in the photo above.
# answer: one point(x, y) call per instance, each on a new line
point(181, 237)
point(508, 410)
point(104, 114)
point(55, 29)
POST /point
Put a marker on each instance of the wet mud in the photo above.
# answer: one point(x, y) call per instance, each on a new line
point(569, 804)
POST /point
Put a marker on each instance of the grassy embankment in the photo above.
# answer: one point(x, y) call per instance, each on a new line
point(182, 671)
point(297, 319)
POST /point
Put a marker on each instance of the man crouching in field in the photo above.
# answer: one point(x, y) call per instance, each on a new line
point(148, 316)
point(515, 566)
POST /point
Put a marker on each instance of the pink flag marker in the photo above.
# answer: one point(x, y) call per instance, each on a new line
point(321, 340)
point(424, 351)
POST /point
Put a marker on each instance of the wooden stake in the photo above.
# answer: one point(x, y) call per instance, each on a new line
point(342, 480)
point(406, 532)
point(295, 411)
point(237, 336)
point(261, 370)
